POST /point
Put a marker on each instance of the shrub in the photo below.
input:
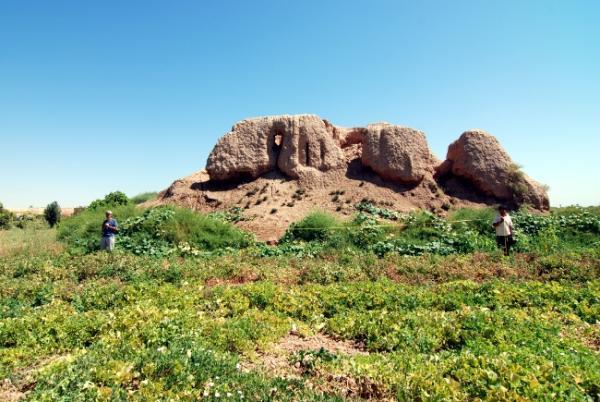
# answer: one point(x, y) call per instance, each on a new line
point(5, 217)
point(202, 231)
point(52, 213)
point(425, 226)
point(143, 197)
point(112, 200)
point(516, 182)
point(156, 231)
point(82, 231)
point(316, 226)
point(479, 220)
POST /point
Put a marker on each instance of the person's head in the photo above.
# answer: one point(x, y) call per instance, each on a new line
point(502, 210)
point(108, 214)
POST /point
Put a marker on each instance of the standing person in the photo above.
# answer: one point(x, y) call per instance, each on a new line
point(504, 229)
point(109, 229)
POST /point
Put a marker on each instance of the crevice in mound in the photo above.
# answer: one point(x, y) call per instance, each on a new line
point(307, 154)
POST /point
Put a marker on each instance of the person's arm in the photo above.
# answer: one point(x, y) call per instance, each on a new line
point(111, 227)
point(497, 221)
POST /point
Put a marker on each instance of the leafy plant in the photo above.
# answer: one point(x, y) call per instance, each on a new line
point(309, 360)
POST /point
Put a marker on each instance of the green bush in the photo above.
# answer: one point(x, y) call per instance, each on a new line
point(317, 226)
point(477, 219)
point(167, 229)
point(6, 217)
point(156, 231)
point(82, 231)
point(143, 197)
point(52, 214)
point(110, 200)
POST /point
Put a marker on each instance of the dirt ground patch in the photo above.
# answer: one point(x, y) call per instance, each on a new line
point(279, 361)
point(276, 360)
point(8, 392)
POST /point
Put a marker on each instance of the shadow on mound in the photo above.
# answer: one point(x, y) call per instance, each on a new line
point(462, 189)
point(227, 185)
point(357, 171)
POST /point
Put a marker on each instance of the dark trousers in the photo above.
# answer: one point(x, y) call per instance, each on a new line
point(504, 242)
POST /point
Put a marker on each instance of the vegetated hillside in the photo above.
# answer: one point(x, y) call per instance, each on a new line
point(422, 308)
point(279, 168)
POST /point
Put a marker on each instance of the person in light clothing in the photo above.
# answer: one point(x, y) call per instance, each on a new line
point(109, 229)
point(504, 230)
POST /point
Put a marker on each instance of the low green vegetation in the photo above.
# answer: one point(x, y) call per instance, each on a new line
point(159, 231)
point(189, 307)
point(382, 231)
point(143, 197)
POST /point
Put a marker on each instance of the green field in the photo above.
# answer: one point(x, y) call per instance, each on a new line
point(405, 307)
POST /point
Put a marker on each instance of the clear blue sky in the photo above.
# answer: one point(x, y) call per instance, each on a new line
point(100, 96)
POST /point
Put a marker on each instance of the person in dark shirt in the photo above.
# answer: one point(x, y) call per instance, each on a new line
point(109, 229)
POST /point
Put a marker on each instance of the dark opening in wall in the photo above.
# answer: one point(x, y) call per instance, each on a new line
point(322, 152)
point(277, 140)
point(307, 154)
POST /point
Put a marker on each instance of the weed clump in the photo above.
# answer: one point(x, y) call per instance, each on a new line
point(317, 226)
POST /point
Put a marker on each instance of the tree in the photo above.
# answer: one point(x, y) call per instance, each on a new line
point(52, 213)
point(5, 217)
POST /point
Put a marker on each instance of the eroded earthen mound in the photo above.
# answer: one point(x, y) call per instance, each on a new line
point(397, 153)
point(478, 157)
point(280, 167)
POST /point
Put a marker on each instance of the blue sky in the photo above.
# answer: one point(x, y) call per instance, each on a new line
point(100, 96)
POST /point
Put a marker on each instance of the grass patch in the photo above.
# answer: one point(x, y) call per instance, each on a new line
point(144, 197)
